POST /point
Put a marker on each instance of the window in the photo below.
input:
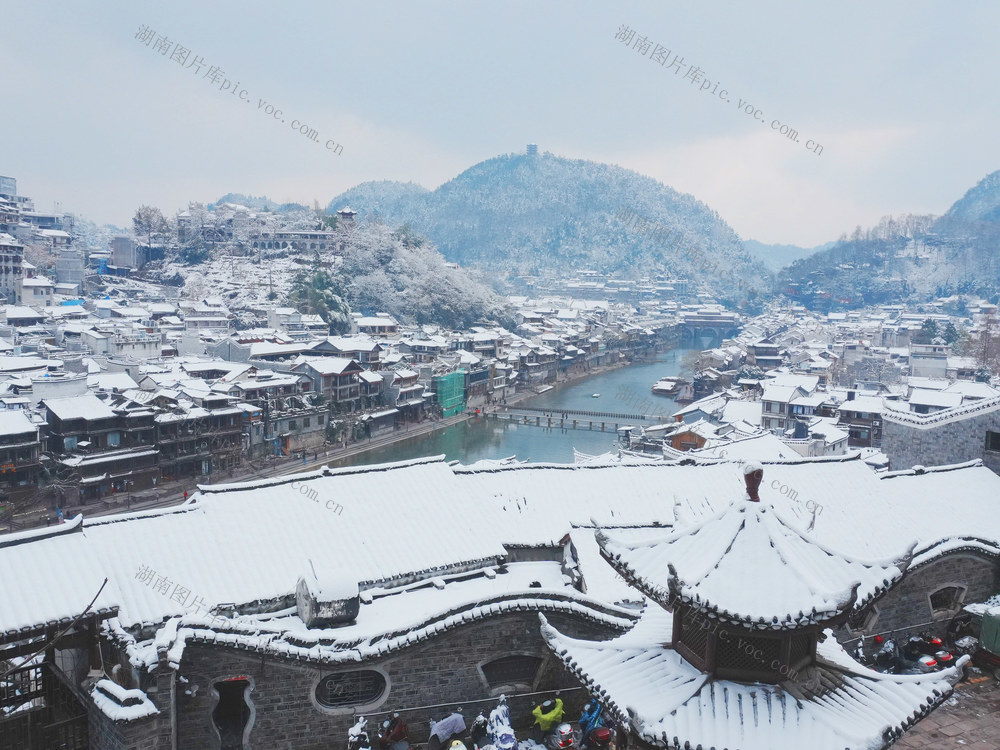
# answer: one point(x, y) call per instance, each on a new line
point(343, 689)
point(508, 671)
point(947, 599)
point(114, 439)
point(292, 425)
point(992, 441)
point(321, 419)
point(864, 620)
point(306, 421)
point(234, 714)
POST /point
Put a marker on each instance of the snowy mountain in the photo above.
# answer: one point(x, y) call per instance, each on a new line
point(908, 258)
point(539, 214)
point(776, 257)
point(981, 203)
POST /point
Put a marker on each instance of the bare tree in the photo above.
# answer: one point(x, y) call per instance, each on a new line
point(149, 222)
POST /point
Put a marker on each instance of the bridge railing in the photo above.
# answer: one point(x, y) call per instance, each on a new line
point(580, 413)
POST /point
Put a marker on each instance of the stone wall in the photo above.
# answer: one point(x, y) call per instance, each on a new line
point(906, 609)
point(150, 733)
point(907, 445)
point(441, 670)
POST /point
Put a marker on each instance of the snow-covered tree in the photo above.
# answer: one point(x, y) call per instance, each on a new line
point(316, 292)
point(149, 224)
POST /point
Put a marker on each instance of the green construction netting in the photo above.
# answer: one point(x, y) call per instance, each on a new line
point(450, 393)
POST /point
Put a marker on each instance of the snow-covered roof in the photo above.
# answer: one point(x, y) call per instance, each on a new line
point(729, 563)
point(326, 365)
point(942, 399)
point(479, 509)
point(265, 349)
point(897, 413)
point(828, 429)
point(353, 343)
point(780, 393)
point(670, 703)
point(973, 390)
point(762, 446)
point(17, 312)
point(808, 383)
point(36, 281)
point(811, 399)
point(392, 618)
point(863, 404)
point(121, 381)
point(88, 406)
point(376, 321)
point(15, 422)
point(121, 704)
point(736, 410)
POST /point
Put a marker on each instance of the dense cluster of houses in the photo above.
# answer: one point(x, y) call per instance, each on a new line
point(115, 396)
point(819, 385)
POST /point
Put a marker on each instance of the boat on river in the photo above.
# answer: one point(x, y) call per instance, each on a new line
point(669, 386)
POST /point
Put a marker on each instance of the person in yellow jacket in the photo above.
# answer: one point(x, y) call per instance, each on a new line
point(547, 715)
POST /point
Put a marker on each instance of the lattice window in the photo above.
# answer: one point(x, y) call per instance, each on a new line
point(748, 653)
point(694, 637)
point(800, 649)
point(350, 688)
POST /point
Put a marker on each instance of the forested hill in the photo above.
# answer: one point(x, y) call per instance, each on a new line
point(539, 214)
point(908, 258)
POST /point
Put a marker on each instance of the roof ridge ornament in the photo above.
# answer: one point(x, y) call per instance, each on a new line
point(753, 475)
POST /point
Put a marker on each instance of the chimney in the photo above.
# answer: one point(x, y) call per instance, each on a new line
point(753, 475)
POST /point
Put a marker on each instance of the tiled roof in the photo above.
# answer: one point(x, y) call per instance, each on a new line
point(746, 565)
point(835, 705)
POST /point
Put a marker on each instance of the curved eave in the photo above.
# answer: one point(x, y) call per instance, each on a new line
point(550, 635)
point(853, 688)
point(669, 595)
point(293, 646)
point(53, 626)
point(669, 599)
point(967, 544)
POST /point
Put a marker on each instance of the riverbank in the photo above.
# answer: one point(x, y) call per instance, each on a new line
point(175, 492)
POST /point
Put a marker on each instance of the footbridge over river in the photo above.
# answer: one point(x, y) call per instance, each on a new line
point(576, 419)
point(713, 332)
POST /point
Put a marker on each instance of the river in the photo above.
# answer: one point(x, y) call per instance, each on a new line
point(623, 390)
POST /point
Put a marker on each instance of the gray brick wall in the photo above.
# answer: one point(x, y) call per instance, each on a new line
point(950, 443)
point(151, 733)
point(906, 609)
point(443, 669)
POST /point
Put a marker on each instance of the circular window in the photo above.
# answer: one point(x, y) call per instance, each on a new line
point(345, 689)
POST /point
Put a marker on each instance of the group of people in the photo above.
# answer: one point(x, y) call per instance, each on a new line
point(597, 730)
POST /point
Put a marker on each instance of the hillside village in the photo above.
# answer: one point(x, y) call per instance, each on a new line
point(139, 384)
point(155, 390)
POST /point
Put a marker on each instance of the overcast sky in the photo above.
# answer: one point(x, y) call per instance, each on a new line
point(899, 94)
